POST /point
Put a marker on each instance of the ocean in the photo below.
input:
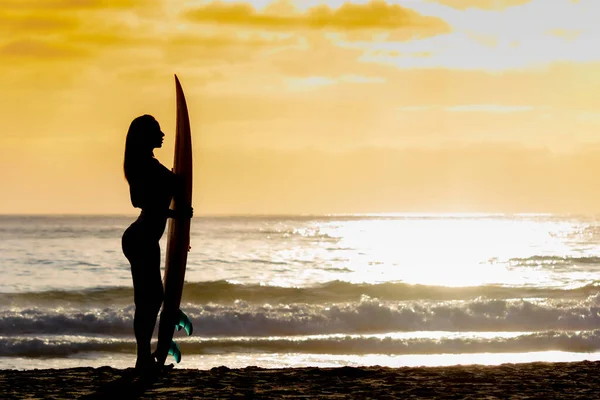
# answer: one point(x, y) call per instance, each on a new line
point(292, 291)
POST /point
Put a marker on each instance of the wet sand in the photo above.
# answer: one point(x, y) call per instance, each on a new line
point(578, 380)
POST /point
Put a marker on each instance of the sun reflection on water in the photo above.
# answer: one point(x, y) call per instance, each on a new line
point(448, 251)
point(444, 250)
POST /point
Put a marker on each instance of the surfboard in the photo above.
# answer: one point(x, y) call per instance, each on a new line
point(178, 239)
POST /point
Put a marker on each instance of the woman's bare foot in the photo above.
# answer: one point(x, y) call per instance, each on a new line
point(151, 366)
point(145, 365)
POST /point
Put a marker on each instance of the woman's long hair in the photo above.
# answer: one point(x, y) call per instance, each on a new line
point(137, 151)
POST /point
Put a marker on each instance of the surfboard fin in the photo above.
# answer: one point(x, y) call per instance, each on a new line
point(175, 352)
point(183, 321)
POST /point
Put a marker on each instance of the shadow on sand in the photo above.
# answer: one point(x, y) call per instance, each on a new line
point(130, 385)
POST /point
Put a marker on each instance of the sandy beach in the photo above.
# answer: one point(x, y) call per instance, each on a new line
point(577, 380)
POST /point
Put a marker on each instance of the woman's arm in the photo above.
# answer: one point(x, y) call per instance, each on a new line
point(182, 210)
point(186, 212)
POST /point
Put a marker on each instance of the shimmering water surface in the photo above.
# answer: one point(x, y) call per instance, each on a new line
point(296, 291)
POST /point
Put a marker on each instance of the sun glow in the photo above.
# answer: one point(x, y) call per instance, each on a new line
point(447, 252)
point(421, 97)
point(451, 250)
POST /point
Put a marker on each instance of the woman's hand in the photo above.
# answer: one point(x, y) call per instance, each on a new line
point(187, 212)
point(181, 213)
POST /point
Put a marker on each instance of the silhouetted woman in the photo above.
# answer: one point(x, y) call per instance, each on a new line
point(151, 188)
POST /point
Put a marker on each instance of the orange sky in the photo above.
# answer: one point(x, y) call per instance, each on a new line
point(307, 106)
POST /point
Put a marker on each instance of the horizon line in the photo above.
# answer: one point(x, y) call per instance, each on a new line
point(323, 215)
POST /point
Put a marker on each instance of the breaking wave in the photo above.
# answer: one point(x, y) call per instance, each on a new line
point(336, 291)
point(368, 315)
point(581, 341)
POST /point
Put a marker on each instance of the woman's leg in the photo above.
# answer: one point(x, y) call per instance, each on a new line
point(148, 294)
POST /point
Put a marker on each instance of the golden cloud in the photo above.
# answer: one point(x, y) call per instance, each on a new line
point(482, 4)
point(53, 29)
point(231, 39)
point(27, 23)
point(39, 50)
point(376, 14)
point(29, 5)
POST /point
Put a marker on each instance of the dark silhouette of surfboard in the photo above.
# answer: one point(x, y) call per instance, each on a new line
point(178, 239)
